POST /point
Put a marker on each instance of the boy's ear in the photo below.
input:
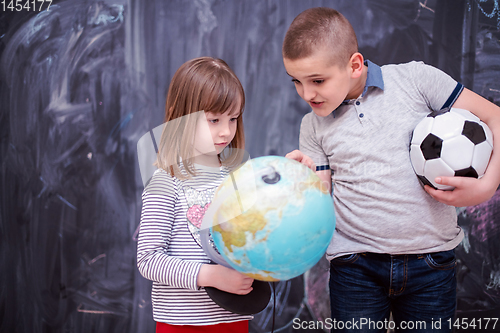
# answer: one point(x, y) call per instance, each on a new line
point(356, 63)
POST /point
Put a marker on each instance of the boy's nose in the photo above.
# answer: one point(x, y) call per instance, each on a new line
point(309, 93)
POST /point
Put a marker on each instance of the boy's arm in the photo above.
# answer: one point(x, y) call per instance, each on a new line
point(326, 179)
point(471, 191)
point(324, 175)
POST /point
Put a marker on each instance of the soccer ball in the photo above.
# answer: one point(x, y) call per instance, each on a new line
point(450, 142)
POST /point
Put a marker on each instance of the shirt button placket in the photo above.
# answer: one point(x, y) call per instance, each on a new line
point(360, 114)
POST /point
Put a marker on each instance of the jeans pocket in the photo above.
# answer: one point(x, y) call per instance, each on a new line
point(441, 260)
point(347, 259)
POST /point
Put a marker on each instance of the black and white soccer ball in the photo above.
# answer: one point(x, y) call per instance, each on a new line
point(450, 142)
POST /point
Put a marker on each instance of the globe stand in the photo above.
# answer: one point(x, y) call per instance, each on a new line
point(251, 303)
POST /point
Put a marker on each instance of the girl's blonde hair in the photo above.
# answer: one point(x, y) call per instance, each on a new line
point(201, 84)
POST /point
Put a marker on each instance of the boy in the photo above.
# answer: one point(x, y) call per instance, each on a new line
point(393, 249)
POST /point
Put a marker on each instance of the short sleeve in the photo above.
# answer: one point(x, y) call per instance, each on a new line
point(437, 88)
point(308, 141)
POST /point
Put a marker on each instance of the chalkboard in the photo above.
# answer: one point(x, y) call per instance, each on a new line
point(82, 81)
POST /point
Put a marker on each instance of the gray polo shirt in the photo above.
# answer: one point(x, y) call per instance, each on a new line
point(380, 205)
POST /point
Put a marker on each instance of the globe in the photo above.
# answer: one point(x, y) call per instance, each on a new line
point(271, 219)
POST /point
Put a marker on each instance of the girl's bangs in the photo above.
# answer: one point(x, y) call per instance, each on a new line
point(226, 95)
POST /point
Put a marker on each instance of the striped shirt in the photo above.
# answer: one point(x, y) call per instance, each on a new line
point(168, 252)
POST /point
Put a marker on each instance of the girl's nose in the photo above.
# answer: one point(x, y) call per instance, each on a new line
point(224, 130)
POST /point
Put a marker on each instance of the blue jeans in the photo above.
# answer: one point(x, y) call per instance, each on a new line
point(419, 290)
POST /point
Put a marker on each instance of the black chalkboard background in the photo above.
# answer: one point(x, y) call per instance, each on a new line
point(83, 81)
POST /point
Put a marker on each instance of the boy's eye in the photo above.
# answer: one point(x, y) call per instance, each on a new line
point(318, 81)
point(295, 81)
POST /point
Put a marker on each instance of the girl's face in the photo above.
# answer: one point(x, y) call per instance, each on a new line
point(215, 131)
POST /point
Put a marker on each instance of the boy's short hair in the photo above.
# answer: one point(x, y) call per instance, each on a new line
point(320, 27)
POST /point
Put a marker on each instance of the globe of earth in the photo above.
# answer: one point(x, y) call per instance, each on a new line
point(271, 219)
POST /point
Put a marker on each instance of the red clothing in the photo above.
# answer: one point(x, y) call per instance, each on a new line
point(234, 327)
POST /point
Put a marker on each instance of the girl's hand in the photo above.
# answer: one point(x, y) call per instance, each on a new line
point(302, 158)
point(468, 191)
point(225, 279)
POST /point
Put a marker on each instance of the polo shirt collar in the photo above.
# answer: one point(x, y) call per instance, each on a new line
point(373, 77)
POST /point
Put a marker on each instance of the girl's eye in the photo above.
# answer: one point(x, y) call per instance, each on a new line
point(319, 81)
point(214, 121)
point(234, 119)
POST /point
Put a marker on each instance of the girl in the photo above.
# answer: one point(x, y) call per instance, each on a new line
point(192, 162)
